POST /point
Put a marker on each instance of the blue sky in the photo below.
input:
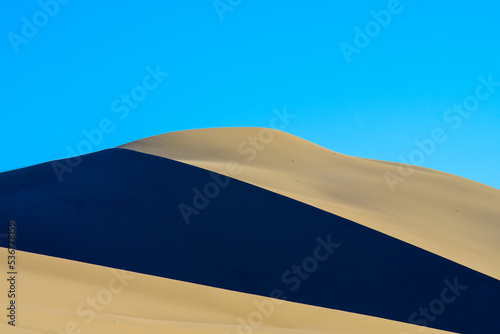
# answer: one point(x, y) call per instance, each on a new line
point(364, 78)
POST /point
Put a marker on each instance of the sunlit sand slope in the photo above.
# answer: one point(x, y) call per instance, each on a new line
point(450, 216)
point(61, 296)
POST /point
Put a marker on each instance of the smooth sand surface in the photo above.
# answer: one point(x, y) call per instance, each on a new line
point(50, 291)
point(445, 214)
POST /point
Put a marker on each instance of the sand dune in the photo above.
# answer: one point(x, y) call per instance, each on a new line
point(450, 216)
point(53, 290)
point(369, 259)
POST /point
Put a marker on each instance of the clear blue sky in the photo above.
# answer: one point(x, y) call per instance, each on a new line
point(369, 95)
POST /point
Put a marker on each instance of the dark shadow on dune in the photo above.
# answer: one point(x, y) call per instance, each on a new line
point(119, 208)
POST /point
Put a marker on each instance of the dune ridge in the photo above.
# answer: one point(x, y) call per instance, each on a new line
point(445, 214)
point(53, 289)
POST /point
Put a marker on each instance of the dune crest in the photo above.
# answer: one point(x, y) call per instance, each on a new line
point(445, 214)
point(54, 289)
